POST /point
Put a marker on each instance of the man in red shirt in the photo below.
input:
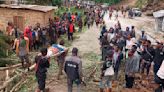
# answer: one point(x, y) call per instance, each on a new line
point(70, 31)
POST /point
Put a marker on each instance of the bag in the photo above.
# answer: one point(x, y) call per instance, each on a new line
point(109, 71)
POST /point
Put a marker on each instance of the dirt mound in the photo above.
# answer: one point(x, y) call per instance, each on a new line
point(154, 7)
point(128, 2)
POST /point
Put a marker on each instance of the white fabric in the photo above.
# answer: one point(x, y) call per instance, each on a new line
point(109, 71)
point(160, 72)
point(130, 43)
point(115, 57)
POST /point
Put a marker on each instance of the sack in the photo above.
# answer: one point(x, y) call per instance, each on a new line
point(109, 71)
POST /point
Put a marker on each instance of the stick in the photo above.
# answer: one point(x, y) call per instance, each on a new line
point(13, 89)
point(8, 81)
point(19, 86)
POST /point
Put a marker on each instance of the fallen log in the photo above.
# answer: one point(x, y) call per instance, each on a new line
point(10, 67)
point(5, 84)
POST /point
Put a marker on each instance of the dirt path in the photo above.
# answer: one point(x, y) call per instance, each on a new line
point(87, 43)
point(144, 22)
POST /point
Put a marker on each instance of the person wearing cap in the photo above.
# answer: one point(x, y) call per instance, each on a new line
point(131, 66)
point(73, 70)
point(106, 80)
point(42, 62)
point(159, 57)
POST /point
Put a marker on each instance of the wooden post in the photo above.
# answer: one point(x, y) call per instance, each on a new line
point(7, 74)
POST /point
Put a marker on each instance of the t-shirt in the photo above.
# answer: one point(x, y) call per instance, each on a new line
point(73, 67)
point(42, 64)
point(71, 28)
point(22, 47)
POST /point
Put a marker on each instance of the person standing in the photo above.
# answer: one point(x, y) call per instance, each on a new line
point(117, 58)
point(131, 66)
point(147, 57)
point(71, 31)
point(116, 15)
point(22, 51)
point(106, 80)
point(160, 77)
point(61, 60)
point(42, 63)
point(80, 24)
point(132, 33)
point(73, 69)
point(159, 57)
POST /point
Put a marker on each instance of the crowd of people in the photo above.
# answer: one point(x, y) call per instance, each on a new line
point(119, 48)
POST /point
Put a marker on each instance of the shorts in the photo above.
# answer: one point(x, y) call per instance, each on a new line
point(24, 58)
point(106, 82)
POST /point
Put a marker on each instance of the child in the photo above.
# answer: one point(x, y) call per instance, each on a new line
point(42, 63)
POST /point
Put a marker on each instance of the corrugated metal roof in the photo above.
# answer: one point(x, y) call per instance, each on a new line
point(30, 7)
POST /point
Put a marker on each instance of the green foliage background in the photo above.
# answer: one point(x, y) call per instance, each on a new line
point(110, 2)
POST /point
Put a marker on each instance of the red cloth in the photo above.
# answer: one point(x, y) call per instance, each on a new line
point(71, 28)
point(27, 33)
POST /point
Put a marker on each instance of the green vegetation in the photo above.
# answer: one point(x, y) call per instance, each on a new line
point(141, 3)
point(45, 2)
point(4, 45)
point(56, 2)
point(4, 50)
point(62, 10)
point(110, 2)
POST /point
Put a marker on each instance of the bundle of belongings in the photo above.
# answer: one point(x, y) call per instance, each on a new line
point(56, 50)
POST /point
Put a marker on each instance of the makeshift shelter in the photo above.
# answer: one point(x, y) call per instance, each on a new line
point(159, 20)
point(25, 15)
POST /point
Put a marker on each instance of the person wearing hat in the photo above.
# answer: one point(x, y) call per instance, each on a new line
point(131, 66)
point(73, 70)
point(106, 80)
